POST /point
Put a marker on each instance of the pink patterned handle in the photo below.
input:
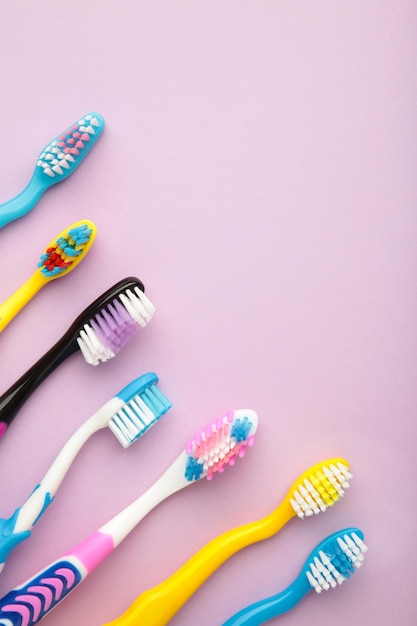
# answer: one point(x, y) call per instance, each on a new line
point(29, 603)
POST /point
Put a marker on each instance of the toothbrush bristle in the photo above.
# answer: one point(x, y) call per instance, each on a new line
point(320, 488)
point(59, 257)
point(220, 444)
point(64, 153)
point(138, 414)
point(335, 560)
point(114, 325)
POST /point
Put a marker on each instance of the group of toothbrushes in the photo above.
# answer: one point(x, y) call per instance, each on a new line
point(99, 332)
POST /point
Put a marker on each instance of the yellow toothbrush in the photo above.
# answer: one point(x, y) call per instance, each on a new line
point(59, 258)
point(318, 488)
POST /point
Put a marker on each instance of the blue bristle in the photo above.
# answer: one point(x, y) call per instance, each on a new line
point(193, 469)
point(340, 560)
point(241, 429)
point(344, 549)
point(162, 399)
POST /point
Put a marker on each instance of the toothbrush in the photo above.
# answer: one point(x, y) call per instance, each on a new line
point(332, 562)
point(60, 257)
point(318, 488)
point(129, 414)
point(99, 332)
point(217, 446)
point(55, 163)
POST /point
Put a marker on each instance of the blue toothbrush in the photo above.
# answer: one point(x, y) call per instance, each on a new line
point(55, 163)
point(331, 562)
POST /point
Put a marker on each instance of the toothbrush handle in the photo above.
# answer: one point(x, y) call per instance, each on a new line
point(29, 603)
point(12, 399)
point(15, 303)
point(26, 605)
point(268, 608)
point(22, 203)
point(18, 527)
point(157, 606)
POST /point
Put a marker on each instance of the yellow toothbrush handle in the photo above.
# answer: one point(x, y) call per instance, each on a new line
point(11, 307)
point(157, 606)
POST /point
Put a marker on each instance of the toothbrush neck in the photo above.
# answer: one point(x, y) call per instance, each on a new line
point(268, 608)
point(14, 397)
point(171, 481)
point(23, 202)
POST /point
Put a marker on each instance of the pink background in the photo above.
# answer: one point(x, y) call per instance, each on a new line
point(258, 173)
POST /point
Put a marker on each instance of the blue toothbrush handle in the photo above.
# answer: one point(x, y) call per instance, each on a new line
point(22, 203)
point(268, 608)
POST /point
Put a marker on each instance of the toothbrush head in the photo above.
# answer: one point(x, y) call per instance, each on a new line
point(220, 444)
point(65, 153)
point(112, 320)
point(320, 487)
point(335, 559)
point(143, 403)
point(66, 250)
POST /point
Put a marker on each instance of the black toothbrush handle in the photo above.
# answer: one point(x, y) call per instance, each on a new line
point(12, 399)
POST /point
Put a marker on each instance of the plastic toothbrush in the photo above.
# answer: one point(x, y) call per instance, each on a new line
point(59, 258)
point(332, 562)
point(317, 489)
point(217, 446)
point(129, 414)
point(55, 163)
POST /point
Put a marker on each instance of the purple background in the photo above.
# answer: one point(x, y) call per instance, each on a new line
point(258, 173)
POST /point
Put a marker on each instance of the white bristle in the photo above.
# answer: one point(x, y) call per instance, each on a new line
point(93, 350)
point(309, 499)
point(68, 147)
point(351, 551)
point(359, 543)
point(138, 305)
point(108, 331)
point(137, 415)
point(333, 480)
point(313, 582)
point(329, 568)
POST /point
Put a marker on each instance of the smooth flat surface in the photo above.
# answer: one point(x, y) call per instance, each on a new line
point(258, 173)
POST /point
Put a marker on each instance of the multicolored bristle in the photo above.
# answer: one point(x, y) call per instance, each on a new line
point(114, 324)
point(322, 486)
point(61, 156)
point(144, 404)
point(60, 256)
point(220, 444)
point(335, 559)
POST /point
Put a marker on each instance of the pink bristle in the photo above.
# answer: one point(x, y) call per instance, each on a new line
point(214, 448)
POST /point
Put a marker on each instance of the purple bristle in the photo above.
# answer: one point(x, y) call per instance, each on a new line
point(114, 328)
